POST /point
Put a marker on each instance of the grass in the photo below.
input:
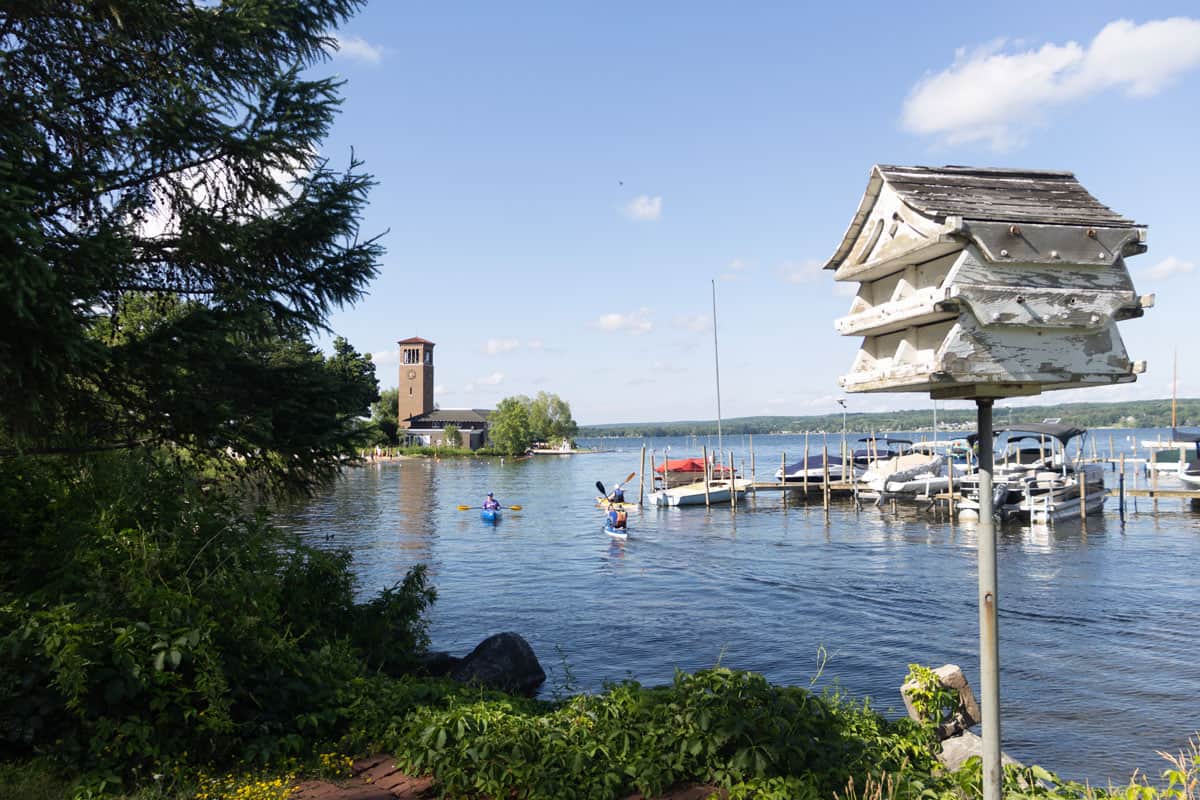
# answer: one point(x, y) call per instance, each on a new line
point(33, 780)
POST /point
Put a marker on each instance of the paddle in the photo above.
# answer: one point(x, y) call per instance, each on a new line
point(468, 508)
point(604, 493)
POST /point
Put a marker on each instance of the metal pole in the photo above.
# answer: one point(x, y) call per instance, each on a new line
point(989, 634)
point(717, 364)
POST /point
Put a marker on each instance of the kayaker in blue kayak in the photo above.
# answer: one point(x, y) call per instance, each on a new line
point(617, 518)
point(491, 503)
point(617, 495)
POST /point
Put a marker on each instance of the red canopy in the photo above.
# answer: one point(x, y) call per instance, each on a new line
point(689, 465)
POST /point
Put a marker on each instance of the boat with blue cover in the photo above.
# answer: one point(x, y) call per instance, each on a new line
point(489, 514)
point(811, 469)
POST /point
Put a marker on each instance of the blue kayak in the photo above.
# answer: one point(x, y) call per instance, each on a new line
point(616, 533)
point(490, 514)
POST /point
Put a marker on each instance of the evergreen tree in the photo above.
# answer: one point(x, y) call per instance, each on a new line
point(169, 237)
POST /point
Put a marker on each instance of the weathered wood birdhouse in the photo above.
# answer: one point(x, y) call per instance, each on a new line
point(986, 283)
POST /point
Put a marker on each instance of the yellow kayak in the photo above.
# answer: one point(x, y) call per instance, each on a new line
point(604, 503)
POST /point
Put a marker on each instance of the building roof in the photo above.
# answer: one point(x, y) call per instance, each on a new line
point(445, 416)
point(1000, 195)
point(415, 340)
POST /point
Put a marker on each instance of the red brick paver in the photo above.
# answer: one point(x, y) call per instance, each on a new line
point(376, 778)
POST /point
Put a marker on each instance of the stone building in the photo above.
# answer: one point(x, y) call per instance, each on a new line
point(421, 422)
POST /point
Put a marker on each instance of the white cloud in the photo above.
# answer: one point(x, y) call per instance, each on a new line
point(696, 323)
point(1169, 267)
point(358, 49)
point(214, 187)
point(535, 344)
point(801, 271)
point(494, 346)
point(644, 208)
point(844, 289)
point(634, 324)
point(439, 388)
point(385, 358)
point(735, 269)
point(991, 95)
point(659, 367)
point(494, 379)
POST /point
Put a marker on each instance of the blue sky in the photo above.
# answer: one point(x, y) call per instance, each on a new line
point(561, 182)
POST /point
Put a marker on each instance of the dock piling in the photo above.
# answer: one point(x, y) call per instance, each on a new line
point(642, 476)
point(1121, 487)
point(783, 480)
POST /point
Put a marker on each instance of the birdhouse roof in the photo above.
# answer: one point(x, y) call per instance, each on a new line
point(983, 194)
point(1001, 195)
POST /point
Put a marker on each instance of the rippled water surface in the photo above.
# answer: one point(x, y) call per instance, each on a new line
point(1100, 660)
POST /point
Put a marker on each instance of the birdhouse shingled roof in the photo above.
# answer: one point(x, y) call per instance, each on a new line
point(984, 194)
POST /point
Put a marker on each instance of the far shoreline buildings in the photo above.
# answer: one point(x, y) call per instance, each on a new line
point(421, 421)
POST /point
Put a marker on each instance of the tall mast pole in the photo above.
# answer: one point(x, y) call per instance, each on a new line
point(717, 364)
point(1174, 389)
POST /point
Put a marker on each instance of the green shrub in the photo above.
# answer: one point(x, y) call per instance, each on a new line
point(721, 726)
point(147, 618)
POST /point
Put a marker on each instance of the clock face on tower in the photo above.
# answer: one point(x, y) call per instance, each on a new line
point(412, 373)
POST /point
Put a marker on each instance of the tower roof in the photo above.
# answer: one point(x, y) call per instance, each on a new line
point(415, 340)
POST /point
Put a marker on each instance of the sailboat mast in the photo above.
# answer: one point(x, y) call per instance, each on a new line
point(1174, 390)
point(717, 364)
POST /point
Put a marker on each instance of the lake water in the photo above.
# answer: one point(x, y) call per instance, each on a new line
point(1100, 659)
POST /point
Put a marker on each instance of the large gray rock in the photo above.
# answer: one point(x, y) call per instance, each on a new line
point(965, 716)
point(436, 664)
point(504, 661)
point(957, 749)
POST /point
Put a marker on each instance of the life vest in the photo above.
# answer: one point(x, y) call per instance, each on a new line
point(620, 521)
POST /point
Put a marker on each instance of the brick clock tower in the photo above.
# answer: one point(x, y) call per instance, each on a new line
point(416, 379)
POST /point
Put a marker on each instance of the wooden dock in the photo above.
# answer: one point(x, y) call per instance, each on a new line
point(1128, 470)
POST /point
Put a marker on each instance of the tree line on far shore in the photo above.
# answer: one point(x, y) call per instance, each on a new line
point(1134, 414)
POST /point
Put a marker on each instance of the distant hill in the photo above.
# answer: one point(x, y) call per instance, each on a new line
point(1138, 414)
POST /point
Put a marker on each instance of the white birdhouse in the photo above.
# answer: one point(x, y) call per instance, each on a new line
point(986, 283)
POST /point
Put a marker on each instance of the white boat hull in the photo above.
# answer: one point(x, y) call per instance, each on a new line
point(1190, 477)
point(693, 494)
point(1051, 497)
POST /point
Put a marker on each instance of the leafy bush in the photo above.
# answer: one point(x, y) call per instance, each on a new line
point(730, 728)
point(147, 618)
point(933, 701)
